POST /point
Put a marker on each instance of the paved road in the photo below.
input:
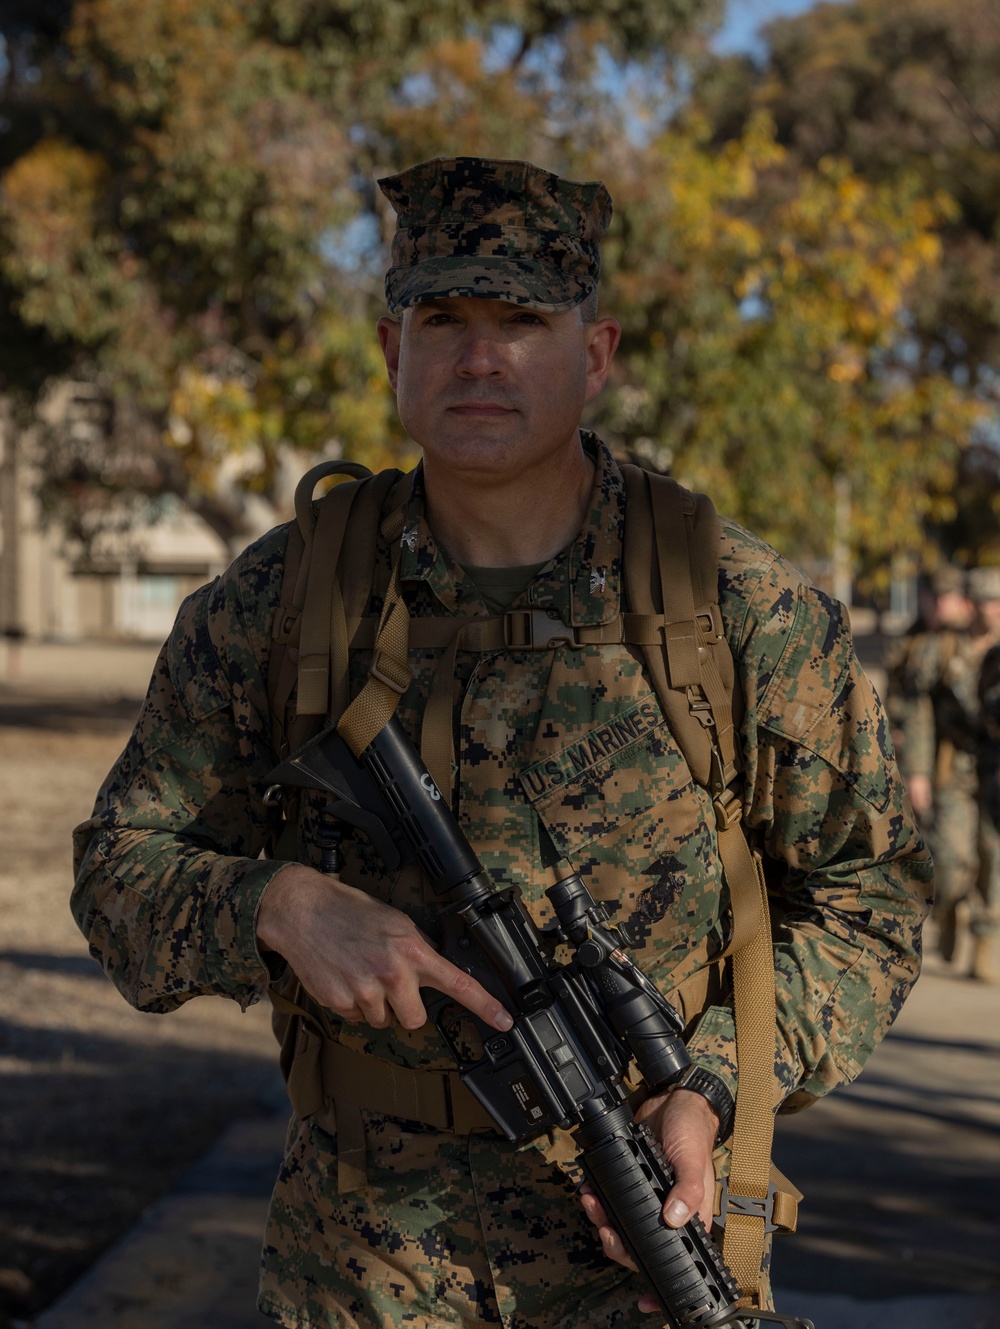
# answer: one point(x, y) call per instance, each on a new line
point(900, 1228)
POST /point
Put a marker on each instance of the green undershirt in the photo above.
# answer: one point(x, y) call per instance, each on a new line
point(500, 587)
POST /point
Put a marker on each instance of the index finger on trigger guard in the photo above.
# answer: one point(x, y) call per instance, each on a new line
point(473, 996)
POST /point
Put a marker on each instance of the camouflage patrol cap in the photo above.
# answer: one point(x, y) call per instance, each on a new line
point(948, 580)
point(504, 230)
point(984, 584)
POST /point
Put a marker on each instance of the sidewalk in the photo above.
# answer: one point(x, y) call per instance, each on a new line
point(71, 669)
point(899, 1227)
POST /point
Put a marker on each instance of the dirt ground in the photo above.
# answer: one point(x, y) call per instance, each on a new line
point(101, 1108)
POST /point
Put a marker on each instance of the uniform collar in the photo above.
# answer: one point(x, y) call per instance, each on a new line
point(582, 583)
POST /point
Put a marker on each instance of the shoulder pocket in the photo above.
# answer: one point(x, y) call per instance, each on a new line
point(195, 670)
point(820, 699)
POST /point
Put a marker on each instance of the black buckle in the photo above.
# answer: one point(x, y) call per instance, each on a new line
point(750, 1206)
point(536, 630)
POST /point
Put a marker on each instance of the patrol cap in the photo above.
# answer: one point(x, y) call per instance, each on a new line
point(504, 230)
point(949, 580)
point(984, 583)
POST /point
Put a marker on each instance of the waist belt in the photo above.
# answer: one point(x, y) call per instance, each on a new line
point(330, 1084)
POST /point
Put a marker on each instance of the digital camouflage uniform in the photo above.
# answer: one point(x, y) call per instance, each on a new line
point(989, 789)
point(937, 702)
point(562, 756)
point(929, 695)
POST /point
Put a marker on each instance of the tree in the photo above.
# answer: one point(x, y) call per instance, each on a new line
point(209, 238)
point(761, 354)
point(189, 192)
point(900, 88)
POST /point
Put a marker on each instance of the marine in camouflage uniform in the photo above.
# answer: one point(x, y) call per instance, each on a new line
point(946, 738)
point(989, 796)
point(914, 662)
point(984, 919)
point(936, 745)
point(561, 756)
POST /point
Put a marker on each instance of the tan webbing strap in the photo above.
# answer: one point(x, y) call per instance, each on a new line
point(741, 872)
point(628, 629)
point(335, 1084)
point(753, 1129)
point(321, 602)
point(351, 577)
point(785, 1200)
point(437, 735)
point(282, 674)
point(658, 581)
point(484, 634)
point(680, 632)
point(434, 1097)
point(694, 686)
point(694, 632)
point(388, 673)
point(481, 633)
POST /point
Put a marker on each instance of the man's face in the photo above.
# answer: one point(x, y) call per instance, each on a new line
point(954, 610)
point(486, 387)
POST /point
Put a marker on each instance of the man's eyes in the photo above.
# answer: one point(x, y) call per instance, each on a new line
point(522, 318)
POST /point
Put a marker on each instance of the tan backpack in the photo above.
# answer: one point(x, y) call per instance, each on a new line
point(671, 562)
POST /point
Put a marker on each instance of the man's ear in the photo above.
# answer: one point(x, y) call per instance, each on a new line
point(389, 330)
point(602, 338)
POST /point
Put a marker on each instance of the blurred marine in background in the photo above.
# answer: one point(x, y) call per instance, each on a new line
point(934, 682)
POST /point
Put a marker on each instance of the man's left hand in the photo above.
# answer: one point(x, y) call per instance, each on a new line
point(686, 1127)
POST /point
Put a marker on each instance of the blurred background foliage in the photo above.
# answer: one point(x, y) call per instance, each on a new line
point(805, 254)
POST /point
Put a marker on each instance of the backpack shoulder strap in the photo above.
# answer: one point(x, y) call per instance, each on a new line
point(309, 636)
point(671, 555)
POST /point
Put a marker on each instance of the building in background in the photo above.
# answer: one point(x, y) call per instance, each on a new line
point(127, 585)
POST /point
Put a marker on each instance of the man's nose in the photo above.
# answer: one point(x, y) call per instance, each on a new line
point(481, 355)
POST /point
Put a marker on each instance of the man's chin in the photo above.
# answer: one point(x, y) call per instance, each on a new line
point(474, 452)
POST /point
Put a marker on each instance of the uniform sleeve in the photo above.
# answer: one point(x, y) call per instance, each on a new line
point(850, 877)
point(168, 873)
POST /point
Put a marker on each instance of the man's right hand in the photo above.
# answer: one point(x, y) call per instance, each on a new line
point(361, 958)
point(921, 793)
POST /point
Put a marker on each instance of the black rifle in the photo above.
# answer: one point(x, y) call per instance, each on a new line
point(577, 1025)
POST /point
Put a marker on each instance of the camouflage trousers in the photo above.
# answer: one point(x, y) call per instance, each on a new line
point(984, 918)
point(966, 843)
point(954, 838)
point(449, 1230)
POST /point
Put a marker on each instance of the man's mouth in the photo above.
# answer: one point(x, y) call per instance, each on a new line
point(481, 408)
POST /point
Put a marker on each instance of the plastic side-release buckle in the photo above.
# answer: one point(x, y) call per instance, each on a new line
point(709, 619)
point(749, 1206)
point(728, 809)
point(394, 674)
point(536, 630)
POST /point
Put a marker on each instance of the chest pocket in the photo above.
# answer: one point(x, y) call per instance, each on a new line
point(618, 803)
